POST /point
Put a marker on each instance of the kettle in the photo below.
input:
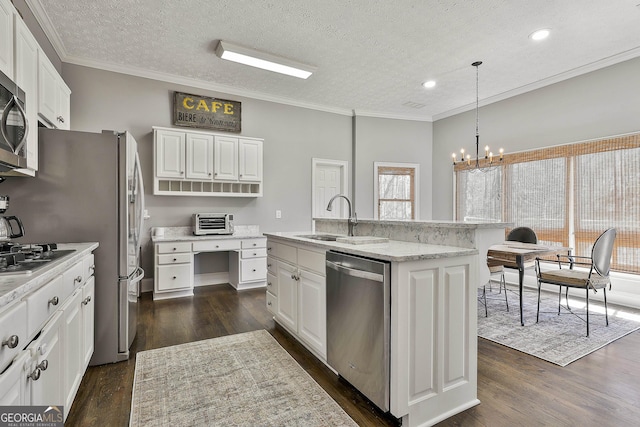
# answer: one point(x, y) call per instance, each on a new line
point(6, 229)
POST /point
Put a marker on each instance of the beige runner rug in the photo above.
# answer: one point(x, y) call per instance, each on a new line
point(239, 380)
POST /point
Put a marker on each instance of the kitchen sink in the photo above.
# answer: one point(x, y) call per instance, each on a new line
point(323, 237)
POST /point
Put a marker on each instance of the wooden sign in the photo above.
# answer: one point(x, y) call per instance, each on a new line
point(206, 112)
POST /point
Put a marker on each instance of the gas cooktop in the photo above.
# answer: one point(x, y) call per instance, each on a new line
point(24, 259)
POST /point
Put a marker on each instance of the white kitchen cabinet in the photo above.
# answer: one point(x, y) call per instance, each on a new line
point(45, 375)
point(14, 389)
point(173, 270)
point(13, 332)
point(198, 163)
point(199, 156)
point(73, 349)
point(170, 153)
point(88, 321)
point(225, 162)
point(26, 77)
point(250, 160)
point(299, 292)
point(53, 95)
point(6, 38)
point(248, 266)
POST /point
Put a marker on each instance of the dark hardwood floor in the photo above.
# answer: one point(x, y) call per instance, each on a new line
point(601, 389)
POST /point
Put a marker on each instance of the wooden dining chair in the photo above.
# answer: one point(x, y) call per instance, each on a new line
point(593, 276)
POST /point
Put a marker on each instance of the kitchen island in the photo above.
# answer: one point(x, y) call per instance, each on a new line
point(433, 343)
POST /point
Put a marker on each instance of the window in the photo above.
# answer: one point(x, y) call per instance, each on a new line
point(396, 189)
point(568, 194)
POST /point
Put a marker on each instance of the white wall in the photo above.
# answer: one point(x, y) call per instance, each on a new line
point(391, 140)
point(595, 105)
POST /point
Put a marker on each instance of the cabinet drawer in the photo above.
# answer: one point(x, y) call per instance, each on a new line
point(312, 260)
point(253, 269)
point(272, 283)
point(271, 265)
point(43, 303)
point(172, 277)
point(88, 263)
point(282, 251)
point(254, 253)
point(272, 302)
point(12, 322)
point(216, 245)
point(72, 279)
point(253, 243)
point(168, 248)
point(179, 258)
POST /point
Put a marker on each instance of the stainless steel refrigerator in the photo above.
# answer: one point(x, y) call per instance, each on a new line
point(89, 188)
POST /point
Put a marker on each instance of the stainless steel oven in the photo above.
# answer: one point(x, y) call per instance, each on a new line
point(14, 126)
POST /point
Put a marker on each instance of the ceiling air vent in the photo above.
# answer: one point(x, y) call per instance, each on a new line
point(411, 104)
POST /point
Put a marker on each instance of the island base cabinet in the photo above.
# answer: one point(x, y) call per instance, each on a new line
point(312, 316)
point(45, 375)
point(433, 339)
point(13, 382)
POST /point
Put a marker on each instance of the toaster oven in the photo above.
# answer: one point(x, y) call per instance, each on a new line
point(212, 223)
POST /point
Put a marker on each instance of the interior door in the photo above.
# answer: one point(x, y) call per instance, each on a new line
point(329, 178)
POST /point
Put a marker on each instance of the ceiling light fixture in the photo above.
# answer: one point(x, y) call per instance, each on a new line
point(429, 84)
point(265, 61)
point(540, 34)
point(488, 156)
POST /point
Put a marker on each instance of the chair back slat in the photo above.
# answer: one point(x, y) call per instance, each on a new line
point(523, 235)
point(602, 250)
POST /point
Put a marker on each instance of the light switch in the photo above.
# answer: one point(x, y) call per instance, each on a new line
point(278, 213)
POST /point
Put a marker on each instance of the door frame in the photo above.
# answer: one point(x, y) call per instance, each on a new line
point(344, 183)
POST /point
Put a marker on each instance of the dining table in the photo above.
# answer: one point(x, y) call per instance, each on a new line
point(519, 255)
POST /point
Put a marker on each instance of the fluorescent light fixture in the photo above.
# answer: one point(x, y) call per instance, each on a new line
point(540, 34)
point(429, 84)
point(265, 61)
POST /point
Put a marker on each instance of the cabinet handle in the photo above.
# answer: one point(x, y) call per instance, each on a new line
point(209, 173)
point(11, 342)
point(175, 249)
point(254, 254)
point(174, 277)
point(92, 269)
point(255, 244)
point(54, 301)
point(181, 172)
point(269, 248)
point(43, 365)
point(215, 174)
point(61, 119)
point(268, 302)
point(217, 246)
point(175, 259)
point(253, 270)
point(78, 279)
point(86, 300)
point(268, 283)
point(268, 265)
point(35, 375)
point(293, 276)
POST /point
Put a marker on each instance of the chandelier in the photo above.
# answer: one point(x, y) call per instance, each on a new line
point(488, 155)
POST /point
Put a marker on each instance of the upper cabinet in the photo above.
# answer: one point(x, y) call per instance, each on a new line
point(53, 95)
point(196, 163)
point(6, 38)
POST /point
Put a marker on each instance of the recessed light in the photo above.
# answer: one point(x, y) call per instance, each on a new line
point(429, 84)
point(540, 34)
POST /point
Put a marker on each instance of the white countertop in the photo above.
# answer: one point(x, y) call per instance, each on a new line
point(177, 234)
point(393, 250)
point(14, 287)
point(425, 223)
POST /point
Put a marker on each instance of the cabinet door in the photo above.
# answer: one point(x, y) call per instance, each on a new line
point(170, 151)
point(312, 310)
point(73, 351)
point(250, 165)
point(26, 65)
point(6, 38)
point(63, 105)
point(225, 162)
point(199, 156)
point(47, 353)
point(174, 277)
point(88, 314)
point(13, 383)
point(287, 312)
point(47, 88)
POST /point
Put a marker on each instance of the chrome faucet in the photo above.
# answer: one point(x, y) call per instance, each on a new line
point(353, 218)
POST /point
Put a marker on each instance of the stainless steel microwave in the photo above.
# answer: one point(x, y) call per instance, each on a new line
point(14, 126)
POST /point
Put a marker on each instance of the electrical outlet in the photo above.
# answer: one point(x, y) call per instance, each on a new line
point(278, 214)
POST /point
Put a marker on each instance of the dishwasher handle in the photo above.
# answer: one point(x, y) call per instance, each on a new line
point(354, 272)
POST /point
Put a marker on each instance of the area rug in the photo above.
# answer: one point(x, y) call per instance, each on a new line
point(556, 339)
point(239, 380)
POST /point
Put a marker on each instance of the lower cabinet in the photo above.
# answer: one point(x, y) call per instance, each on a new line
point(74, 354)
point(298, 292)
point(46, 368)
point(13, 382)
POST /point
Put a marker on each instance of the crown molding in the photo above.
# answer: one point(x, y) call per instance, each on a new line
point(382, 115)
point(594, 66)
point(47, 26)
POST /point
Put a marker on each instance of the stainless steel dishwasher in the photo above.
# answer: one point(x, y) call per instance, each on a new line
point(358, 323)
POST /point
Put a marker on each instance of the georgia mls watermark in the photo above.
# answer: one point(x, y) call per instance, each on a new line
point(31, 416)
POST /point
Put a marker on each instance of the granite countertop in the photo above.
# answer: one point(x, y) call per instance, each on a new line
point(428, 223)
point(393, 250)
point(13, 287)
point(177, 234)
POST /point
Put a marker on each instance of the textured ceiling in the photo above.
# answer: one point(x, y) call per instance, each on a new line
point(371, 55)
